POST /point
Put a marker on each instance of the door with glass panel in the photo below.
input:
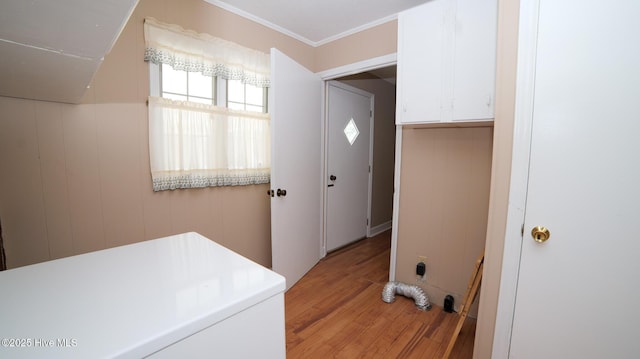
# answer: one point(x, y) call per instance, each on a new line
point(349, 125)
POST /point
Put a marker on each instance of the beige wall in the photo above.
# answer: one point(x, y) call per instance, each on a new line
point(444, 196)
point(378, 41)
point(75, 178)
point(123, 77)
point(383, 143)
point(500, 175)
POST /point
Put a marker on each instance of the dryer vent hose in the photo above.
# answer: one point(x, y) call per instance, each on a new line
point(411, 291)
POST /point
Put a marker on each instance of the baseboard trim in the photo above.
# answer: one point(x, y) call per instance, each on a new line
point(374, 231)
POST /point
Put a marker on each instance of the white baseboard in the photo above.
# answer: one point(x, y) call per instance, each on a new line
point(374, 231)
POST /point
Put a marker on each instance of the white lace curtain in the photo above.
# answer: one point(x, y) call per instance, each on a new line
point(187, 50)
point(197, 145)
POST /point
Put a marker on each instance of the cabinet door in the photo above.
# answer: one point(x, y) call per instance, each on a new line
point(474, 62)
point(420, 62)
point(446, 62)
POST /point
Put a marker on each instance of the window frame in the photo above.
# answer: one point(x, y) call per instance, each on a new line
point(214, 79)
point(219, 88)
point(265, 98)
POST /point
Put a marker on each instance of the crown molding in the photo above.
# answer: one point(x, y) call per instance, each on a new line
point(294, 35)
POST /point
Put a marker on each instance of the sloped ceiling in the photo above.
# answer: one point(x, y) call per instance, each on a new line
point(50, 50)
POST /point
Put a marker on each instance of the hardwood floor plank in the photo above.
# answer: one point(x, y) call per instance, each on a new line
point(336, 311)
point(464, 344)
point(335, 302)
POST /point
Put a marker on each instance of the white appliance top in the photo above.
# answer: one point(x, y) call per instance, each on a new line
point(128, 301)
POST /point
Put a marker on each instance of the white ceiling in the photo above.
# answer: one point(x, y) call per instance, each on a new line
point(52, 49)
point(318, 21)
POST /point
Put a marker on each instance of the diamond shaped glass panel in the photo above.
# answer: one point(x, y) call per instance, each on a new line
point(351, 131)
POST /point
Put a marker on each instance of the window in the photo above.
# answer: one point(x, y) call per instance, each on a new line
point(196, 87)
point(246, 97)
point(187, 86)
point(208, 120)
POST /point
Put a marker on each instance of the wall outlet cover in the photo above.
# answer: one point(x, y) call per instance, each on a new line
point(448, 303)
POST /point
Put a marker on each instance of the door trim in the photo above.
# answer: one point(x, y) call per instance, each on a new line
point(396, 204)
point(358, 67)
point(331, 74)
point(523, 120)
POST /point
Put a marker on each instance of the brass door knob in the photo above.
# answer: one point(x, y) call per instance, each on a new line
point(540, 234)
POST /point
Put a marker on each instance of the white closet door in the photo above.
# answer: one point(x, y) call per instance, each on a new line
point(578, 292)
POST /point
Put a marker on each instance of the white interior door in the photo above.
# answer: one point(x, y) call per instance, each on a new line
point(295, 99)
point(349, 127)
point(578, 292)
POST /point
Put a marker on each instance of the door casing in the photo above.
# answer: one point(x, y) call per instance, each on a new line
point(332, 74)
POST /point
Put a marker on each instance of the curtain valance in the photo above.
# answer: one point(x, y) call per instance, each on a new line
point(187, 50)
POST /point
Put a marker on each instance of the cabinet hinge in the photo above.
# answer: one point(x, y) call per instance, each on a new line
point(522, 231)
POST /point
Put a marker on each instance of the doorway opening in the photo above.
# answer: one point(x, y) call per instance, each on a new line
point(380, 82)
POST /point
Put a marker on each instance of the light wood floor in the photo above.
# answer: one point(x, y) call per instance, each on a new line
point(336, 311)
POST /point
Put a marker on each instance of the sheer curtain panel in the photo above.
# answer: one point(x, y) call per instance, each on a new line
point(198, 145)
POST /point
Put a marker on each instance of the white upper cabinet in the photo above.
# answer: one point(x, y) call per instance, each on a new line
point(447, 62)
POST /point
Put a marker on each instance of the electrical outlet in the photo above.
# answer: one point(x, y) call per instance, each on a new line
point(423, 277)
point(456, 303)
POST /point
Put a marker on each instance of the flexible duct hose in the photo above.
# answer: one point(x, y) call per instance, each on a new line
point(410, 291)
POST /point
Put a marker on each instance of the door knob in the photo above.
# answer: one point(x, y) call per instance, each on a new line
point(270, 193)
point(281, 192)
point(540, 234)
point(333, 177)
